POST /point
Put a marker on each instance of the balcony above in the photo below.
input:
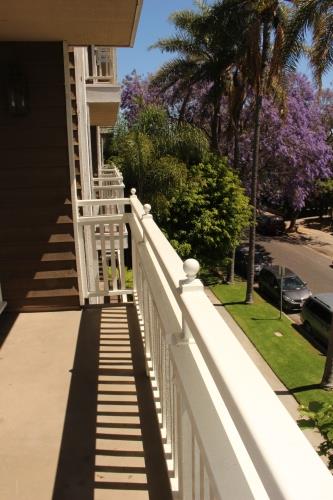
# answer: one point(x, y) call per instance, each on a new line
point(103, 93)
point(103, 100)
point(79, 22)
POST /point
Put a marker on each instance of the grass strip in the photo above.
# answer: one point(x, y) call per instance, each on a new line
point(293, 359)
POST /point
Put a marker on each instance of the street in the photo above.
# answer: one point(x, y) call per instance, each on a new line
point(312, 266)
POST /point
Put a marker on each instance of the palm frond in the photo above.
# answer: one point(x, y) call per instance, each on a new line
point(309, 14)
point(173, 71)
point(300, 20)
point(276, 59)
point(182, 45)
point(253, 53)
point(186, 20)
point(321, 55)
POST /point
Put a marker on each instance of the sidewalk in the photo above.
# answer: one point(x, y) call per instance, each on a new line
point(280, 390)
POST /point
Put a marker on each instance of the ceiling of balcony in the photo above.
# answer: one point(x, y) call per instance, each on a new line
point(79, 22)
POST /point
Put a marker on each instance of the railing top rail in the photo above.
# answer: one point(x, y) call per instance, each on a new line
point(100, 219)
point(102, 80)
point(289, 466)
point(108, 178)
point(103, 201)
point(168, 259)
point(110, 187)
point(99, 77)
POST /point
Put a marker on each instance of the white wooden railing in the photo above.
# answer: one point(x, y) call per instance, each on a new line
point(101, 65)
point(108, 187)
point(103, 238)
point(225, 433)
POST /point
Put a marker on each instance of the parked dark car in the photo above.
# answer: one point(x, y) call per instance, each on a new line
point(261, 259)
point(294, 290)
point(270, 224)
point(317, 314)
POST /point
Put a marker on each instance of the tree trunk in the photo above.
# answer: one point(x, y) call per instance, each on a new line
point(293, 226)
point(255, 162)
point(215, 127)
point(254, 186)
point(236, 147)
point(327, 380)
point(184, 104)
point(231, 268)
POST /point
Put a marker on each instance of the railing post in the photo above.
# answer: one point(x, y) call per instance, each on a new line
point(148, 311)
point(146, 216)
point(134, 255)
point(189, 285)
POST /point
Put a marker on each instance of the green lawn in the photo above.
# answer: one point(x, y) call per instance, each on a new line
point(294, 360)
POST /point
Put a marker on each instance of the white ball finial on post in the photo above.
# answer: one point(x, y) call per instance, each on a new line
point(191, 268)
point(133, 192)
point(147, 208)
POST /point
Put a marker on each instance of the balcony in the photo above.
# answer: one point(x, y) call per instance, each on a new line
point(111, 22)
point(102, 90)
point(146, 393)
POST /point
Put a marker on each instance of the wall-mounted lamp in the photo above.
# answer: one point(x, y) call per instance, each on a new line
point(17, 92)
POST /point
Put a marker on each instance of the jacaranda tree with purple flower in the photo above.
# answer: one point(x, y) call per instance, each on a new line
point(294, 153)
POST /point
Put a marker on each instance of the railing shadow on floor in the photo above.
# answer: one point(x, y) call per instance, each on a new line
point(111, 439)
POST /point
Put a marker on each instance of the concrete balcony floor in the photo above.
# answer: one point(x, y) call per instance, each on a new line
point(77, 415)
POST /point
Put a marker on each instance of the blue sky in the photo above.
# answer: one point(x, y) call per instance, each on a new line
point(153, 25)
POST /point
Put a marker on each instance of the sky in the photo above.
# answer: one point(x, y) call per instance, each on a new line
point(154, 24)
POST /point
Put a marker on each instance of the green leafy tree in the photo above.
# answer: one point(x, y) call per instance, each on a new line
point(324, 194)
point(320, 415)
point(197, 200)
point(155, 153)
point(208, 216)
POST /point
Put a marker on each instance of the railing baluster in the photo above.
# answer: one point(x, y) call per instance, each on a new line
point(159, 353)
point(104, 258)
point(206, 485)
point(113, 258)
point(176, 430)
point(147, 323)
point(187, 454)
point(93, 229)
point(122, 259)
point(168, 391)
point(202, 477)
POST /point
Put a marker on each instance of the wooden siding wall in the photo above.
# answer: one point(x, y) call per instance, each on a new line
point(37, 258)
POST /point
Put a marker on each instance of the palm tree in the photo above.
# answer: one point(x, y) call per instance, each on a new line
point(316, 15)
point(227, 47)
point(252, 57)
point(260, 65)
point(207, 43)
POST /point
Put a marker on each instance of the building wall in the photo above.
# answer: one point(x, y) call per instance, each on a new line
point(37, 257)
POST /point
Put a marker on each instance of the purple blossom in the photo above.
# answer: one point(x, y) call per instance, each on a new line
point(136, 93)
point(294, 153)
